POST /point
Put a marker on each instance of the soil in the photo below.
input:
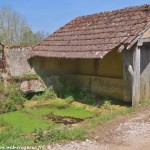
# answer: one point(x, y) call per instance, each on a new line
point(131, 132)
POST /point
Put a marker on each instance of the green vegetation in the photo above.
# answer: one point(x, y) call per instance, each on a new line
point(26, 76)
point(17, 32)
point(61, 135)
point(11, 98)
point(12, 137)
point(3, 123)
point(46, 95)
point(45, 119)
point(31, 120)
point(28, 119)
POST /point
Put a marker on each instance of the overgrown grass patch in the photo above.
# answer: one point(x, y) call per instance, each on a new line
point(3, 122)
point(12, 137)
point(28, 119)
point(33, 118)
point(11, 98)
point(25, 121)
point(109, 116)
point(60, 135)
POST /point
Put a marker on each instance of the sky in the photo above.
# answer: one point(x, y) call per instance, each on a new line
point(49, 15)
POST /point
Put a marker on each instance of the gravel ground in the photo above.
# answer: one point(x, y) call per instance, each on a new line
point(85, 145)
point(129, 133)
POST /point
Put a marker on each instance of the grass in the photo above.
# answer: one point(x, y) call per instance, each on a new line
point(25, 122)
point(110, 116)
point(12, 137)
point(26, 76)
point(61, 135)
point(31, 123)
point(28, 119)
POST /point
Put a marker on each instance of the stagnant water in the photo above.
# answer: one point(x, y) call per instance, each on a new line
point(66, 120)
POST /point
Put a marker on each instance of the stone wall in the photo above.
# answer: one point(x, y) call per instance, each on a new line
point(17, 60)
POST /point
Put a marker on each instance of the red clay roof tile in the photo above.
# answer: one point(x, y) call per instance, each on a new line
point(93, 36)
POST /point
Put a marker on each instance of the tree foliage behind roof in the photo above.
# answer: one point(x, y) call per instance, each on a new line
point(14, 29)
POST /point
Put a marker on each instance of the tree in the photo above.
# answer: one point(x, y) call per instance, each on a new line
point(14, 29)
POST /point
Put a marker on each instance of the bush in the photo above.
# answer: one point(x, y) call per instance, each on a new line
point(69, 99)
point(58, 135)
point(71, 93)
point(12, 137)
point(46, 95)
point(11, 98)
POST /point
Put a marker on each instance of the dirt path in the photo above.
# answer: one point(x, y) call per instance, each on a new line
point(130, 132)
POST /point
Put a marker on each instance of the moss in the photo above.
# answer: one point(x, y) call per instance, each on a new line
point(26, 77)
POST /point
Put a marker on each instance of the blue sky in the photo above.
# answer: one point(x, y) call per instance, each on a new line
point(49, 15)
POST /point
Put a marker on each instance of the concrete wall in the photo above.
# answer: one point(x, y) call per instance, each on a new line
point(109, 66)
point(16, 59)
point(101, 76)
point(99, 85)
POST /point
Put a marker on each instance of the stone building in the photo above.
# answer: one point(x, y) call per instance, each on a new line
point(106, 53)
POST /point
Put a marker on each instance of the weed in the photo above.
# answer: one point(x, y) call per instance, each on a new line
point(110, 116)
point(26, 76)
point(11, 98)
point(70, 93)
point(46, 95)
point(144, 102)
point(3, 122)
point(12, 137)
point(107, 105)
point(59, 135)
point(69, 99)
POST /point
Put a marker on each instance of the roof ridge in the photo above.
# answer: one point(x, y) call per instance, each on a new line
point(132, 20)
point(116, 10)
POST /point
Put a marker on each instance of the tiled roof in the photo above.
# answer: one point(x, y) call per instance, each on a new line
point(93, 36)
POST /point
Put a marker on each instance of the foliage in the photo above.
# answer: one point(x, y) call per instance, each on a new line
point(31, 118)
point(48, 94)
point(26, 76)
point(72, 93)
point(144, 102)
point(107, 105)
point(14, 29)
point(57, 134)
point(11, 98)
point(12, 137)
point(69, 99)
point(107, 116)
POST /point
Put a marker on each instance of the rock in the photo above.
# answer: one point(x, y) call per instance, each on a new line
point(96, 137)
point(87, 140)
point(32, 85)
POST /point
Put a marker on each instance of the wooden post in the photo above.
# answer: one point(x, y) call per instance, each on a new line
point(136, 77)
point(127, 57)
